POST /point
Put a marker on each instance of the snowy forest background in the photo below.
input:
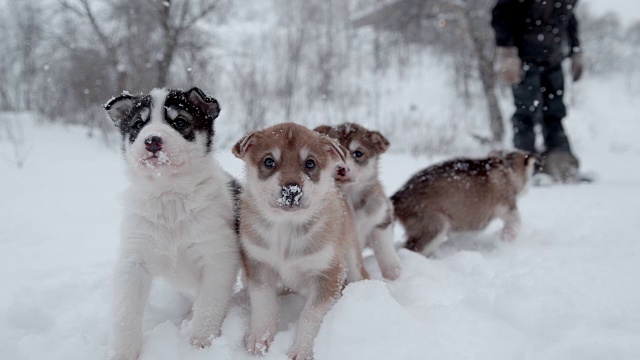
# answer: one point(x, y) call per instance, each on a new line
point(268, 61)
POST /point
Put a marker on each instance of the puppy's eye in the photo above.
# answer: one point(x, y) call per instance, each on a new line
point(137, 125)
point(357, 154)
point(310, 164)
point(269, 163)
point(180, 123)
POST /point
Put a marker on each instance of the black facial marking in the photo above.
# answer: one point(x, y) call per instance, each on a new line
point(127, 112)
point(193, 111)
point(201, 111)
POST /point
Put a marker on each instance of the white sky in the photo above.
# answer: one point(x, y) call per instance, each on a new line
point(627, 10)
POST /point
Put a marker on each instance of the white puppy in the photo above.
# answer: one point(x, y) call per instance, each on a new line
point(179, 220)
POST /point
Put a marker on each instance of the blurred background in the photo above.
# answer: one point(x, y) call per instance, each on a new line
point(424, 65)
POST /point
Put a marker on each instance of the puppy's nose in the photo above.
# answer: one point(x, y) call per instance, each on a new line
point(290, 195)
point(343, 174)
point(342, 171)
point(153, 143)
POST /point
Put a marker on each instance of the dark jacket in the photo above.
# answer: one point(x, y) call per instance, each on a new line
point(544, 31)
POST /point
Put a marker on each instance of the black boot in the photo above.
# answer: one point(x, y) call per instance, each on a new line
point(524, 136)
point(558, 161)
point(554, 135)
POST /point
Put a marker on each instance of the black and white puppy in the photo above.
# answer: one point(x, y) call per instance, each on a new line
point(179, 220)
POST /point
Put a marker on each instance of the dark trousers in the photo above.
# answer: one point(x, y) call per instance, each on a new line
point(539, 95)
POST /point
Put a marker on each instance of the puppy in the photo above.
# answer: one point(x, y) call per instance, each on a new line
point(179, 213)
point(294, 228)
point(361, 187)
point(462, 195)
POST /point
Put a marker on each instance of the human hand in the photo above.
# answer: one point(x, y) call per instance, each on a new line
point(509, 65)
point(577, 66)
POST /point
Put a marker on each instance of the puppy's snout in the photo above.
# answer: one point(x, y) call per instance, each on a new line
point(290, 195)
point(341, 171)
point(153, 143)
point(343, 174)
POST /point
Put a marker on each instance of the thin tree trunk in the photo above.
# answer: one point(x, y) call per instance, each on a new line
point(484, 54)
point(169, 44)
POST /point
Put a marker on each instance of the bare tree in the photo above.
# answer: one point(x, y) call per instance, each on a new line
point(23, 30)
point(294, 16)
point(177, 20)
point(475, 17)
point(459, 28)
point(253, 89)
point(137, 41)
point(633, 38)
point(12, 132)
point(109, 43)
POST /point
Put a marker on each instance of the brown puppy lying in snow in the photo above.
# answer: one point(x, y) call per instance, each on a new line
point(294, 228)
point(361, 187)
point(462, 195)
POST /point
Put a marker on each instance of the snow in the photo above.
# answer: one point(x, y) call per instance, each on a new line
point(290, 196)
point(566, 288)
point(627, 10)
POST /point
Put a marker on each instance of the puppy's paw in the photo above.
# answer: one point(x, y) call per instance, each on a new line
point(391, 273)
point(202, 333)
point(123, 355)
point(258, 343)
point(201, 342)
point(508, 234)
point(300, 354)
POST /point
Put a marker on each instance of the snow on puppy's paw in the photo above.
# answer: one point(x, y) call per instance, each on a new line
point(258, 344)
point(300, 354)
point(123, 355)
point(201, 341)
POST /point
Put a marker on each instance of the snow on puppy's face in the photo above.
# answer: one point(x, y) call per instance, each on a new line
point(164, 130)
point(289, 167)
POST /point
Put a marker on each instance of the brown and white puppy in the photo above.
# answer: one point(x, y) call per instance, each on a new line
point(462, 195)
point(361, 187)
point(294, 228)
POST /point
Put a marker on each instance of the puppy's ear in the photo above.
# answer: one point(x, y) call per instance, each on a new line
point(380, 142)
point(203, 102)
point(336, 151)
point(118, 107)
point(323, 129)
point(242, 146)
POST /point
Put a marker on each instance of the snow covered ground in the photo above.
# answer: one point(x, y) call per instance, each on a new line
point(567, 288)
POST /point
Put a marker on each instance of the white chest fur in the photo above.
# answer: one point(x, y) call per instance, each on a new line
point(171, 230)
point(284, 249)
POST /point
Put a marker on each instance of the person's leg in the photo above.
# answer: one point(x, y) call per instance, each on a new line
point(553, 110)
point(557, 160)
point(526, 97)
